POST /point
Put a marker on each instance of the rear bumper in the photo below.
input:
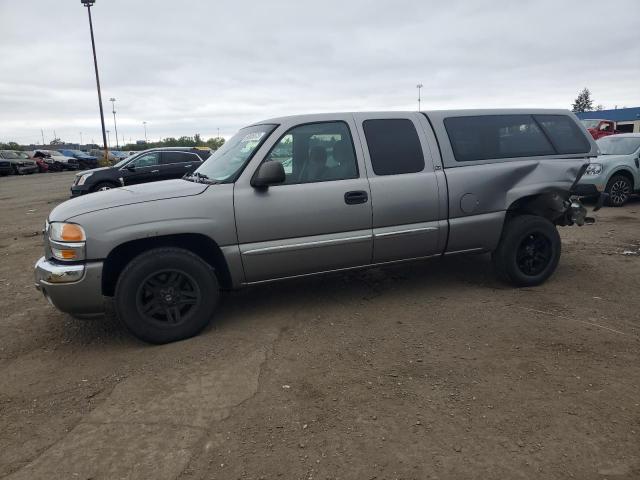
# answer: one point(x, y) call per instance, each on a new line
point(75, 289)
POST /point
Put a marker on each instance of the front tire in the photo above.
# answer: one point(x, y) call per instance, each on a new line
point(166, 294)
point(102, 186)
point(619, 189)
point(528, 252)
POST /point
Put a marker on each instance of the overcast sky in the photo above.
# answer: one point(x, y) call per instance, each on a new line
point(188, 66)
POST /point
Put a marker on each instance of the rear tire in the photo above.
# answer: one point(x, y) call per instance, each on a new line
point(166, 294)
point(528, 252)
point(619, 189)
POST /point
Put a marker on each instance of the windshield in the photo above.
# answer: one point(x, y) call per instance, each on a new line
point(9, 154)
point(228, 161)
point(590, 123)
point(22, 155)
point(614, 145)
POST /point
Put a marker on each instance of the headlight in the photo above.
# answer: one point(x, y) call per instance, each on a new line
point(83, 178)
point(594, 169)
point(67, 241)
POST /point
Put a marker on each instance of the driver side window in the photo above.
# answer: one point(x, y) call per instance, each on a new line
point(316, 152)
point(147, 160)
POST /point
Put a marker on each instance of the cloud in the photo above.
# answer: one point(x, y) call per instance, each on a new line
point(190, 67)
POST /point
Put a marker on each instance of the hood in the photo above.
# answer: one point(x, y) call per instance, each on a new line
point(93, 170)
point(62, 158)
point(118, 197)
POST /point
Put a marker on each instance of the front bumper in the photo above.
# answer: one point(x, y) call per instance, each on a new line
point(590, 181)
point(27, 169)
point(77, 190)
point(71, 288)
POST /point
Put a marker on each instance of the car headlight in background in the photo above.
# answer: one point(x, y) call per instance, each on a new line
point(83, 178)
point(67, 241)
point(594, 169)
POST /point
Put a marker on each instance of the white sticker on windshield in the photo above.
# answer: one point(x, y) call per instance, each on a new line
point(252, 137)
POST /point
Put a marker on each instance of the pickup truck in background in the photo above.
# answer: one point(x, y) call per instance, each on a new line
point(600, 128)
point(310, 194)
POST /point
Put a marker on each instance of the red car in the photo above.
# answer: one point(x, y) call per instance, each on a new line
point(600, 128)
point(42, 165)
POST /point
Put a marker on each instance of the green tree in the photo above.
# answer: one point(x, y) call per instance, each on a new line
point(583, 102)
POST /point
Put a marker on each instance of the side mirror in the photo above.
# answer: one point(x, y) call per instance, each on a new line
point(131, 167)
point(269, 173)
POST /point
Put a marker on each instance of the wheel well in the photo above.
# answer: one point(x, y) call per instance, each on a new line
point(547, 205)
point(199, 244)
point(110, 182)
point(625, 173)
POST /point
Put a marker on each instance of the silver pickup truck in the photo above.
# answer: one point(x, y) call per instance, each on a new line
point(310, 194)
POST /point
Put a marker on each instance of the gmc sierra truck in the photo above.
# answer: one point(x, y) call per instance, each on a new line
point(310, 194)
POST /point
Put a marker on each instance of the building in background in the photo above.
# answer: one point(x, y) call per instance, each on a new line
point(627, 119)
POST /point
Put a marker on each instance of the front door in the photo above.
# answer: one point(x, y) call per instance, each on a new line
point(319, 219)
point(145, 168)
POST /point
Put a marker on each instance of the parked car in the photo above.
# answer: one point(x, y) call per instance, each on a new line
point(20, 166)
point(84, 159)
point(118, 155)
point(356, 190)
point(5, 167)
point(43, 166)
point(600, 128)
point(56, 160)
point(148, 166)
point(100, 155)
point(616, 171)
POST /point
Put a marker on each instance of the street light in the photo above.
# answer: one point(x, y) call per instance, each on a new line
point(108, 138)
point(80, 146)
point(89, 4)
point(113, 105)
point(419, 86)
point(145, 131)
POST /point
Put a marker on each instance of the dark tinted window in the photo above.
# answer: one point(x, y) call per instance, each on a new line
point(150, 159)
point(177, 157)
point(316, 152)
point(496, 136)
point(394, 146)
point(563, 133)
point(203, 154)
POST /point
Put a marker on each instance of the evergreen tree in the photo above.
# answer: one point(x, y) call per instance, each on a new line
point(583, 102)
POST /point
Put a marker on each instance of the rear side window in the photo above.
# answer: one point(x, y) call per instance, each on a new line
point(394, 146)
point(496, 136)
point(563, 133)
point(177, 157)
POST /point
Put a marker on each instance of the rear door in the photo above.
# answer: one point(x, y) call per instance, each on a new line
point(408, 221)
point(175, 164)
point(320, 218)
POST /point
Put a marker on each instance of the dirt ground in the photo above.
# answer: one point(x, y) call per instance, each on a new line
point(428, 370)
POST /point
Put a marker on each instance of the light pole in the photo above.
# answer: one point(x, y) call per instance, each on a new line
point(113, 105)
point(88, 4)
point(108, 138)
point(145, 131)
point(79, 146)
point(419, 87)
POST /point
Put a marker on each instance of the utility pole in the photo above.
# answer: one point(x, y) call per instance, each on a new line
point(145, 131)
point(88, 4)
point(42, 133)
point(115, 126)
point(80, 139)
point(108, 138)
point(419, 87)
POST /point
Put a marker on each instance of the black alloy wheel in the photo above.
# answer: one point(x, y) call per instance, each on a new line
point(168, 297)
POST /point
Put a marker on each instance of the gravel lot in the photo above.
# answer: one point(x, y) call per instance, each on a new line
point(429, 370)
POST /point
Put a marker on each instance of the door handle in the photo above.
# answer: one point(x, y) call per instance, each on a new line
point(357, 196)
point(155, 171)
point(187, 166)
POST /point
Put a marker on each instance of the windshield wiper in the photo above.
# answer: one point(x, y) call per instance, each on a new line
point(198, 177)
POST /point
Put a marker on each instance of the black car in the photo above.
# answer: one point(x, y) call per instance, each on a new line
point(147, 166)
